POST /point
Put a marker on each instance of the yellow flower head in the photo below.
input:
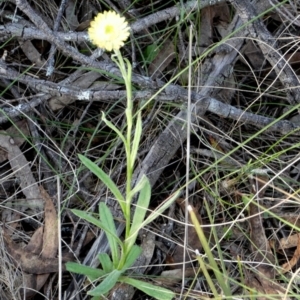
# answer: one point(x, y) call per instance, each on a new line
point(109, 31)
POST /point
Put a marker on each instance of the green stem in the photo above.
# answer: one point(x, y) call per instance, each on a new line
point(126, 74)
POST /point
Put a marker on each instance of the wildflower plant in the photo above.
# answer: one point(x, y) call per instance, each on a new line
point(109, 31)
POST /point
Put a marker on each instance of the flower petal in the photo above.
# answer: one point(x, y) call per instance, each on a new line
point(109, 31)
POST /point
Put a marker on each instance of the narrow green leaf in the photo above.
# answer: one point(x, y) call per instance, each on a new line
point(90, 272)
point(161, 209)
point(106, 262)
point(139, 186)
point(154, 291)
point(136, 139)
point(86, 216)
point(107, 219)
point(104, 178)
point(107, 284)
point(140, 212)
point(132, 256)
point(113, 127)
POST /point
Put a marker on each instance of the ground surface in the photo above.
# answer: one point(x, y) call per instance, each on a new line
point(243, 153)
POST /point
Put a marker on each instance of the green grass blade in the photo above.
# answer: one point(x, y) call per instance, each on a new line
point(161, 208)
point(211, 259)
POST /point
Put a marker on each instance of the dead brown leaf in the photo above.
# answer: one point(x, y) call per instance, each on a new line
point(39, 257)
point(286, 243)
point(30, 280)
point(47, 242)
point(293, 261)
point(29, 262)
point(50, 241)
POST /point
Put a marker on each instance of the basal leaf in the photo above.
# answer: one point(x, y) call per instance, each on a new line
point(108, 220)
point(90, 272)
point(154, 291)
point(140, 211)
point(106, 262)
point(107, 284)
point(132, 256)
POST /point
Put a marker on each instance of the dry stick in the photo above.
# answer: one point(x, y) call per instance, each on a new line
point(137, 26)
point(268, 46)
point(26, 32)
point(171, 12)
point(50, 67)
point(108, 67)
point(21, 109)
point(20, 31)
point(174, 94)
point(68, 50)
point(33, 129)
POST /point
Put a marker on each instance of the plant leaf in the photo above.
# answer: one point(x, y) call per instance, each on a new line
point(86, 216)
point(90, 272)
point(107, 284)
point(154, 291)
point(106, 262)
point(107, 218)
point(139, 186)
point(140, 212)
point(136, 139)
point(104, 178)
point(132, 256)
point(113, 127)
